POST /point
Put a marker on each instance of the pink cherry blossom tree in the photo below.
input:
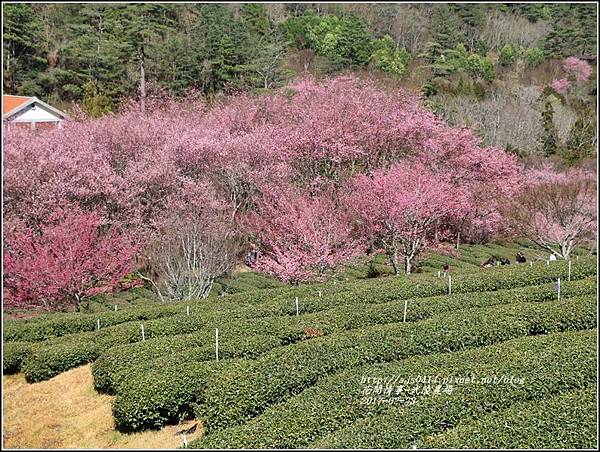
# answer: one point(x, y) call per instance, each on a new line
point(398, 209)
point(561, 86)
point(577, 69)
point(299, 235)
point(69, 258)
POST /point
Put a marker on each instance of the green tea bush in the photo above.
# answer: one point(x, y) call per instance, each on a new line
point(336, 402)
point(275, 376)
point(59, 354)
point(573, 367)
point(564, 421)
point(56, 325)
point(250, 339)
point(13, 355)
point(244, 390)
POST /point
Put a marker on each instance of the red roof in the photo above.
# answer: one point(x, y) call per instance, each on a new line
point(9, 103)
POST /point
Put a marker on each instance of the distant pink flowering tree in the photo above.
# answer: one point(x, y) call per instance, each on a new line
point(561, 86)
point(68, 259)
point(557, 211)
point(577, 69)
point(398, 209)
point(298, 235)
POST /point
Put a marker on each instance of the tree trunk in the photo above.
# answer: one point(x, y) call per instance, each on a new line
point(395, 261)
point(408, 265)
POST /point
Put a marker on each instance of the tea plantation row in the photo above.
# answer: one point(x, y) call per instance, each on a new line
point(238, 390)
point(332, 413)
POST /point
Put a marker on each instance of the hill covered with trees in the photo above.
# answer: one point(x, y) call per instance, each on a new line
point(479, 64)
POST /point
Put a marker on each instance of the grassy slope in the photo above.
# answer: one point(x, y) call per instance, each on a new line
point(65, 412)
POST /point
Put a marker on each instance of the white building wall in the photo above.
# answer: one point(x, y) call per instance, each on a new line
point(35, 113)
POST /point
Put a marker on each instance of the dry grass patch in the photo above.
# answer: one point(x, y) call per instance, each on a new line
point(66, 412)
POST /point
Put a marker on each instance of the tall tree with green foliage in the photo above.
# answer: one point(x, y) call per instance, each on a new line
point(549, 138)
point(22, 33)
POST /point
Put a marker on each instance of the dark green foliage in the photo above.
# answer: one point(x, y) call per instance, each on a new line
point(251, 338)
point(60, 51)
point(534, 56)
point(22, 32)
point(335, 402)
point(564, 421)
point(508, 55)
point(572, 356)
point(481, 67)
point(13, 355)
point(60, 354)
point(55, 325)
point(246, 388)
point(549, 139)
point(573, 30)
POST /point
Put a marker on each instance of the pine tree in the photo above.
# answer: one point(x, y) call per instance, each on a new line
point(549, 134)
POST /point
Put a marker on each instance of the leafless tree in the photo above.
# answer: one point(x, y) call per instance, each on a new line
point(556, 216)
point(506, 28)
point(189, 255)
point(505, 118)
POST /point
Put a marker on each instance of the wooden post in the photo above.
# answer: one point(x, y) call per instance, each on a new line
point(98, 324)
point(558, 289)
point(547, 262)
point(115, 307)
point(185, 441)
point(439, 274)
point(449, 284)
point(576, 258)
point(569, 277)
point(297, 307)
point(405, 308)
point(217, 343)
point(143, 335)
point(188, 310)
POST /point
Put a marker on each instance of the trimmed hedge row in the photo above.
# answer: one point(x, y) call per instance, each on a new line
point(245, 392)
point(335, 402)
point(62, 324)
point(117, 364)
point(564, 421)
point(60, 354)
point(245, 388)
point(278, 300)
point(13, 354)
point(546, 372)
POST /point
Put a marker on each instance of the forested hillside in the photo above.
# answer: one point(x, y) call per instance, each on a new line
point(480, 64)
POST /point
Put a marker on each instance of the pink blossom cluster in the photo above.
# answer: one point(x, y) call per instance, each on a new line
point(313, 174)
point(561, 86)
point(576, 68)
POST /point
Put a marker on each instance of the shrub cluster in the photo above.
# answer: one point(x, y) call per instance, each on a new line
point(13, 355)
point(60, 354)
point(251, 338)
point(564, 421)
point(335, 402)
point(573, 367)
point(56, 325)
point(246, 388)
